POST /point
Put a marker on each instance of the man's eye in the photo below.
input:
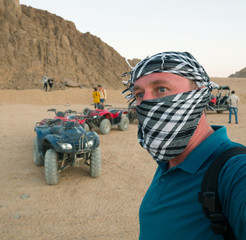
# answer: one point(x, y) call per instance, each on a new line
point(139, 95)
point(162, 89)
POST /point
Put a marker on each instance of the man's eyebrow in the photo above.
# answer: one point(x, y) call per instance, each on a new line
point(157, 81)
point(153, 83)
point(136, 88)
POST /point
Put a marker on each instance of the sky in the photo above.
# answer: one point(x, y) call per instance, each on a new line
point(213, 31)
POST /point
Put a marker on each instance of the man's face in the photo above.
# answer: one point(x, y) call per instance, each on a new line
point(156, 85)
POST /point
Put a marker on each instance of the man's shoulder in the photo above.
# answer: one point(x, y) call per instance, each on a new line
point(236, 164)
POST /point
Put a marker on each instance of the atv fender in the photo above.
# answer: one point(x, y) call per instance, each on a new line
point(93, 135)
point(52, 142)
point(41, 131)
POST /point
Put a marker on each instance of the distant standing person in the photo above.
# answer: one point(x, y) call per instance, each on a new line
point(233, 100)
point(50, 82)
point(103, 95)
point(96, 97)
point(45, 83)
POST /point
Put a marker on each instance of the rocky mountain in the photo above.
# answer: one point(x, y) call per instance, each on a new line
point(35, 43)
point(240, 74)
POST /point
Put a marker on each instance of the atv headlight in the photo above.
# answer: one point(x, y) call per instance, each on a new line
point(90, 143)
point(66, 146)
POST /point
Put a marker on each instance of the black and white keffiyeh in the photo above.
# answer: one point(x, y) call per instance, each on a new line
point(180, 63)
point(167, 124)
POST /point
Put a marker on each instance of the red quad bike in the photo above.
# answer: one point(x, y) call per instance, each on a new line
point(104, 119)
point(67, 116)
point(70, 115)
point(63, 116)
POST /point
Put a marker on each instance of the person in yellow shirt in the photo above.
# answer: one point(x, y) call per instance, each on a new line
point(96, 97)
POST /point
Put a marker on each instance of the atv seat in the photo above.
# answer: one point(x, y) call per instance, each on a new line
point(56, 129)
point(69, 125)
point(114, 111)
point(60, 114)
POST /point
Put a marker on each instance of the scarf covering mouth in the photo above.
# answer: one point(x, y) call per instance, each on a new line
point(167, 124)
point(180, 63)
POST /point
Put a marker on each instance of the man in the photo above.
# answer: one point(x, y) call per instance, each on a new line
point(103, 95)
point(45, 83)
point(233, 100)
point(171, 90)
point(50, 82)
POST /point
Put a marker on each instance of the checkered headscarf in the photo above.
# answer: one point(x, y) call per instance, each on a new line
point(180, 63)
point(166, 124)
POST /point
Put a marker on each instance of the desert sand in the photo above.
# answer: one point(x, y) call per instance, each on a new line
point(79, 207)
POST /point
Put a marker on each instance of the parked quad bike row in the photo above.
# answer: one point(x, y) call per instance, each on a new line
point(68, 140)
point(220, 96)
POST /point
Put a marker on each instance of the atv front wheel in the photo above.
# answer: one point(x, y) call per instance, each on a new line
point(130, 118)
point(50, 167)
point(37, 157)
point(105, 126)
point(95, 163)
point(124, 123)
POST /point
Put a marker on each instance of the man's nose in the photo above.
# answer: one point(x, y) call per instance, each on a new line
point(148, 95)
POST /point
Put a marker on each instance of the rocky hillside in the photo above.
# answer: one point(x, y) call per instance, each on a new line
point(35, 43)
point(240, 74)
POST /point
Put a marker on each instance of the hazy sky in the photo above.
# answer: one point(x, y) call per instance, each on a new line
point(213, 31)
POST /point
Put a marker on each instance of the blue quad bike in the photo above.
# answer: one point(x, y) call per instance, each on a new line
point(60, 144)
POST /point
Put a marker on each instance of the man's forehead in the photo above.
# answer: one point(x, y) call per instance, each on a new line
point(161, 77)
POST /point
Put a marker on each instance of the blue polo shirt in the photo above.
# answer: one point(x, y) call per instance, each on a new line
point(170, 208)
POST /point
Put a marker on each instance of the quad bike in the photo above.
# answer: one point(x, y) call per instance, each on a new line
point(64, 116)
point(60, 144)
point(68, 115)
point(104, 119)
point(58, 115)
point(131, 112)
point(218, 101)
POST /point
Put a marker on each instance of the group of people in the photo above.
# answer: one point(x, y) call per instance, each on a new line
point(232, 100)
point(99, 96)
point(171, 91)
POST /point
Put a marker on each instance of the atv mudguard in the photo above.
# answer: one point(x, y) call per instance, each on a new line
point(53, 142)
point(93, 135)
point(41, 132)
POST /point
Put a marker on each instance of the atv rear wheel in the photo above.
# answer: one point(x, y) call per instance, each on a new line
point(37, 157)
point(50, 167)
point(95, 163)
point(124, 123)
point(105, 126)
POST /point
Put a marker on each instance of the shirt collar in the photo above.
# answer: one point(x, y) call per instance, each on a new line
point(195, 159)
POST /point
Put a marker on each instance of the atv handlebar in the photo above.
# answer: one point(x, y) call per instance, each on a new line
point(70, 111)
point(51, 110)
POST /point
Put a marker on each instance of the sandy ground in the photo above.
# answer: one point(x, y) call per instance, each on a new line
point(79, 207)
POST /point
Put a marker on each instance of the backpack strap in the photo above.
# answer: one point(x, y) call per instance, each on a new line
point(209, 193)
